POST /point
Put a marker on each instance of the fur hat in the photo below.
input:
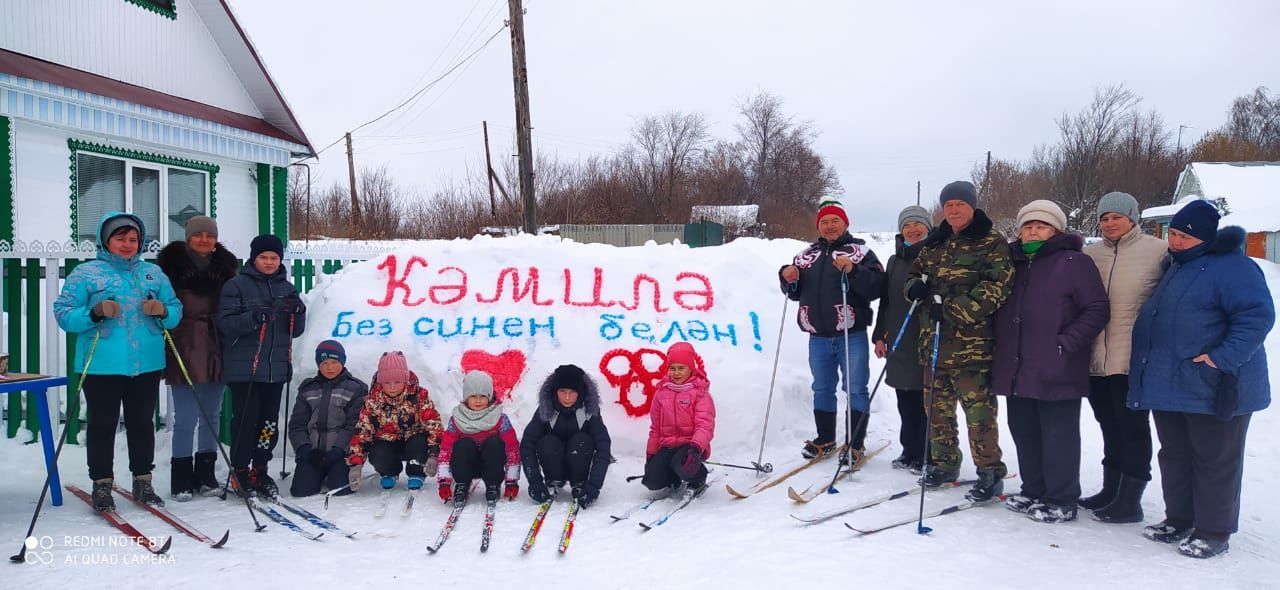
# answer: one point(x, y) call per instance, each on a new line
point(830, 206)
point(1199, 218)
point(1043, 210)
point(331, 349)
point(1122, 203)
point(477, 383)
point(201, 224)
point(392, 367)
point(960, 190)
point(569, 377)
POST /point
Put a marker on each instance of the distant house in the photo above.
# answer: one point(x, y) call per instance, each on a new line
point(738, 220)
point(158, 107)
point(1247, 193)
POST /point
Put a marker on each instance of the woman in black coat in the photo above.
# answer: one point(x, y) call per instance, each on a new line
point(257, 310)
point(567, 440)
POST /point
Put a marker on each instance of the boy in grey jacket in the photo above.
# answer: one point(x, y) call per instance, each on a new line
point(323, 422)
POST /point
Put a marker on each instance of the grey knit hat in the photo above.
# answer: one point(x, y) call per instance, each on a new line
point(915, 213)
point(1122, 203)
point(202, 223)
point(119, 222)
point(477, 383)
point(1044, 211)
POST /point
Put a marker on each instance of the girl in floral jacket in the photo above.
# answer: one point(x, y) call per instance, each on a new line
point(398, 424)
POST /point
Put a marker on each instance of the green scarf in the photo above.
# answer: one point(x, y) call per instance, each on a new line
point(1030, 248)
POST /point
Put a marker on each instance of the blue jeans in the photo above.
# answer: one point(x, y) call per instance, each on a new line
point(827, 357)
point(186, 417)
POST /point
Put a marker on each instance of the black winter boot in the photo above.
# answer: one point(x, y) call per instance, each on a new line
point(242, 482)
point(204, 481)
point(263, 484)
point(182, 478)
point(825, 442)
point(1167, 531)
point(102, 500)
point(144, 492)
point(935, 476)
point(1127, 506)
point(1110, 483)
point(990, 484)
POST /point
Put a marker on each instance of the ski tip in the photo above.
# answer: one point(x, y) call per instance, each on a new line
point(735, 493)
point(223, 541)
point(164, 548)
point(261, 527)
point(646, 527)
point(432, 550)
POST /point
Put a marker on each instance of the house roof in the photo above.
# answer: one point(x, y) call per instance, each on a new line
point(1251, 191)
point(277, 118)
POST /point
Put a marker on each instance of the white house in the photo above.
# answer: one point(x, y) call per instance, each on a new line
point(158, 107)
point(1247, 193)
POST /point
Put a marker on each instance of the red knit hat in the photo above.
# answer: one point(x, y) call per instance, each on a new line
point(392, 367)
point(683, 353)
point(830, 206)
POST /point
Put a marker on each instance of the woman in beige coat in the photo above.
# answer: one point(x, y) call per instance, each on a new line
point(1129, 262)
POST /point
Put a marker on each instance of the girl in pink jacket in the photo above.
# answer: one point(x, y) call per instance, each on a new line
point(683, 422)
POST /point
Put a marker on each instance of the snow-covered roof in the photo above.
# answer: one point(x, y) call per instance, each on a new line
point(726, 214)
point(1251, 191)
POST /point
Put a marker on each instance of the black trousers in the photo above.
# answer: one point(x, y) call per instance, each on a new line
point(1201, 469)
point(487, 461)
point(912, 434)
point(104, 396)
point(309, 480)
point(255, 426)
point(569, 460)
point(1126, 434)
point(672, 465)
point(388, 457)
point(1047, 434)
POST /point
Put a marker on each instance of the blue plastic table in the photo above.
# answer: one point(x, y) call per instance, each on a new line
point(38, 387)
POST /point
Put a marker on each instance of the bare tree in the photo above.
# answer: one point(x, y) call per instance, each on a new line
point(1087, 138)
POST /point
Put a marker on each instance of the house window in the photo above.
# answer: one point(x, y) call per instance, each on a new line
point(166, 8)
point(163, 192)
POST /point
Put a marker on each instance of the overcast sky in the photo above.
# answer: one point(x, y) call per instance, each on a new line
point(900, 91)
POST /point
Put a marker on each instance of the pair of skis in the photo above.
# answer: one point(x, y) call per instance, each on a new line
point(890, 496)
point(267, 507)
point(810, 492)
point(123, 524)
point(682, 500)
point(452, 521)
point(566, 532)
point(824, 486)
point(384, 500)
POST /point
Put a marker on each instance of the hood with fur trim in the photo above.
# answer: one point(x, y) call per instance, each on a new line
point(588, 400)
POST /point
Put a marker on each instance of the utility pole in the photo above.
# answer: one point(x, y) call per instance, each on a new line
point(917, 193)
point(488, 165)
point(355, 202)
point(986, 178)
point(524, 143)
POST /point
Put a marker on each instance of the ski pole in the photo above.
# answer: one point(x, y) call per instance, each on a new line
point(848, 383)
point(883, 370)
point(21, 555)
point(244, 408)
point(928, 422)
point(773, 376)
point(288, 390)
point(204, 417)
point(334, 492)
point(754, 466)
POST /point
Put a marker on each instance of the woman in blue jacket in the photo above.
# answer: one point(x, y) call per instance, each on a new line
point(1198, 362)
point(119, 306)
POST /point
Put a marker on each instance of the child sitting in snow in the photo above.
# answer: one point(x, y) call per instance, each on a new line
point(567, 439)
point(398, 424)
point(479, 442)
point(323, 422)
point(682, 424)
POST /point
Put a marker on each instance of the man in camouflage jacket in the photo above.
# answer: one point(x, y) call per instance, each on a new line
point(966, 263)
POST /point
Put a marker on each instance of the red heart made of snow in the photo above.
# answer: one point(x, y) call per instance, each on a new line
point(506, 368)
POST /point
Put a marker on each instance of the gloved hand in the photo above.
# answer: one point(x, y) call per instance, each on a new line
point(263, 314)
point(692, 462)
point(154, 308)
point(335, 455)
point(539, 492)
point(446, 489)
point(586, 495)
point(104, 309)
point(291, 304)
point(316, 457)
point(936, 312)
point(918, 291)
point(432, 466)
point(353, 477)
point(511, 491)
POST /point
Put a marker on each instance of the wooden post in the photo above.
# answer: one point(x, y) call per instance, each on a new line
point(488, 165)
point(355, 202)
point(524, 143)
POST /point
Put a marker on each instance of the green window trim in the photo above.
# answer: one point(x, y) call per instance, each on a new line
point(76, 146)
point(262, 173)
point(169, 13)
point(280, 203)
point(8, 213)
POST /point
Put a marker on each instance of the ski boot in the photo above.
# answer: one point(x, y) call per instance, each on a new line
point(102, 500)
point(936, 476)
point(387, 482)
point(492, 492)
point(263, 484)
point(143, 492)
point(415, 483)
point(990, 484)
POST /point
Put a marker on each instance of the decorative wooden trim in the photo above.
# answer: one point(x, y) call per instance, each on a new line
point(76, 146)
point(8, 207)
point(169, 13)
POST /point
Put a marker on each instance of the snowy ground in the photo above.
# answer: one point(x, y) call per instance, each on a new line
point(718, 542)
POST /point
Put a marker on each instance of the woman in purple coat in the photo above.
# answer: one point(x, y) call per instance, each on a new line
point(1044, 337)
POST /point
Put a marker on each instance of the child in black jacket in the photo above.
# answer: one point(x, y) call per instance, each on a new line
point(567, 440)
